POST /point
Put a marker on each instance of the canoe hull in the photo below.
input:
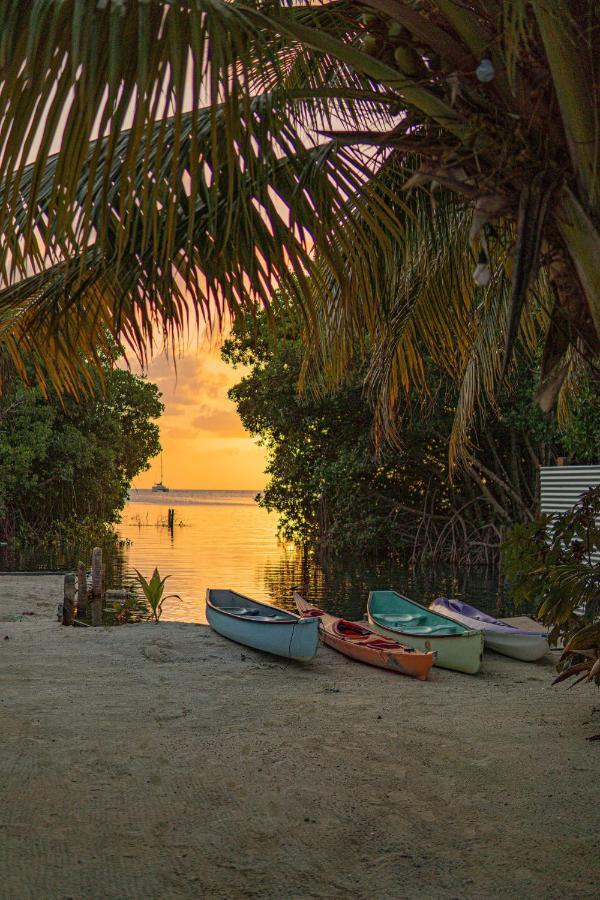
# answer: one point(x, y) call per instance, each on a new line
point(395, 616)
point(395, 658)
point(461, 653)
point(527, 649)
point(527, 646)
point(295, 639)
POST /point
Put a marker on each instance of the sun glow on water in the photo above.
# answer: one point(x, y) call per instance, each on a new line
point(223, 539)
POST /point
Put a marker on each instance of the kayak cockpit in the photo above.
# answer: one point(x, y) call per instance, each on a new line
point(352, 630)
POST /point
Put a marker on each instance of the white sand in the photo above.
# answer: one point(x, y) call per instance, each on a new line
point(164, 761)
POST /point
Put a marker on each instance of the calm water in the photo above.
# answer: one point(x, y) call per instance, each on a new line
point(224, 539)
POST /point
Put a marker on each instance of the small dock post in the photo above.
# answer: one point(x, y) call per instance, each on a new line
point(96, 586)
point(81, 587)
point(69, 605)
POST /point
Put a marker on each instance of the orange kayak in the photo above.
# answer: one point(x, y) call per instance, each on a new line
point(358, 642)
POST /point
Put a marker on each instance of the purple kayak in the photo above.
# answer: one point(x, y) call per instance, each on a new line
point(497, 635)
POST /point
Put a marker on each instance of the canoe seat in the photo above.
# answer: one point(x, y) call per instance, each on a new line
point(401, 620)
point(257, 615)
point(248, 611)
point(417, 628)
point(439, 629)
point(268, 618)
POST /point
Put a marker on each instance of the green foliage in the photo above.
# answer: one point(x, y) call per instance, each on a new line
point(124, 612)
point(68, 464)
point(553, 563)
point(333, 491)
point(581, 657)
point(582, 432)
point(272, 141)
point(324, 481)
point(154, 593)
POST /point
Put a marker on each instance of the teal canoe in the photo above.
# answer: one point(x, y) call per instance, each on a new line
point(262, 626)
point(395, 616)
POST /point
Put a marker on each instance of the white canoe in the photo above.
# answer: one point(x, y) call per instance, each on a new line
point(262, 626)
point(527, 646)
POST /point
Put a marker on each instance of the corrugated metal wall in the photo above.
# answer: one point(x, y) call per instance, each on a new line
point(562, 486)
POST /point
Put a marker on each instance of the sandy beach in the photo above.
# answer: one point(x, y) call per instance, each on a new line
point(163, 761)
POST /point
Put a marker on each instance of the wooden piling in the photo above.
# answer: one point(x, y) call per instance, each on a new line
point(117, 595)
point(96, 604)
point(81, 587)
point(69, 600)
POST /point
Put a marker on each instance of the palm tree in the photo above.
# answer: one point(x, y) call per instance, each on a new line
point(418, 178)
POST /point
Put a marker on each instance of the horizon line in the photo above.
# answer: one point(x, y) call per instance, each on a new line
point(136, 488)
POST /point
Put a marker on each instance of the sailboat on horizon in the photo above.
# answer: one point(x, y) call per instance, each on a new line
point(159, 487)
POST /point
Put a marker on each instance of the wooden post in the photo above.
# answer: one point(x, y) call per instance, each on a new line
point(69, 600)
point(81, 587)
point(500, 605)
point(97, 586)
point(116, 595)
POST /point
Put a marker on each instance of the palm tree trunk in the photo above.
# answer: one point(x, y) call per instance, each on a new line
point(571, 324)
point(582, 241)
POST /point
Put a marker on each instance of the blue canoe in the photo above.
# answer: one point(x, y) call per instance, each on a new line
point(262, 626)
point(528, 646)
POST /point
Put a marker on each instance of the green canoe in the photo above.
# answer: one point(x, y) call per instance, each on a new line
point(398, 617)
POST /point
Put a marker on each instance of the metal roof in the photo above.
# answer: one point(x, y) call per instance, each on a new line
point(562, 486)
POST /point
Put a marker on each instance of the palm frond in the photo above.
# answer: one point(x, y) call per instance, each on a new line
point(235, 248)
point(568, 38)
point(164, 161)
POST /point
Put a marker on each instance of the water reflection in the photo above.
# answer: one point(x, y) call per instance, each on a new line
point(224, 539)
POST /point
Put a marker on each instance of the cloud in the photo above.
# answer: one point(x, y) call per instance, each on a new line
point(200, 379)
point(204, 442)
point(221, 422)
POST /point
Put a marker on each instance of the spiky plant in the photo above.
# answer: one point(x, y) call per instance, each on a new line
point(586, 643)
point(580, 659)
point(369, 158)
point(153, 592)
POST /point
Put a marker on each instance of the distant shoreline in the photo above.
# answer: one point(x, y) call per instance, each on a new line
point(148, 490)
point(193, 497)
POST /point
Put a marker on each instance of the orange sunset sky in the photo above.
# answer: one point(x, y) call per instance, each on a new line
point(204, 443)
